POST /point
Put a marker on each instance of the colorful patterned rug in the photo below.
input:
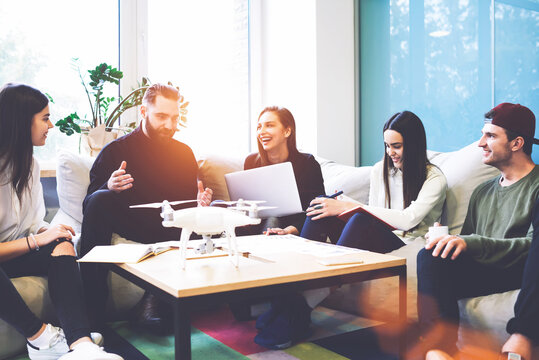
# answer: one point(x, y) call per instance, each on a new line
point(217, 335)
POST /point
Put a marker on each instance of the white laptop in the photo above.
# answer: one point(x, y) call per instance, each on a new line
point(275, 184)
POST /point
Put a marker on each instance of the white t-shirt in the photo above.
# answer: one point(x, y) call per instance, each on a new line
point(421, 213)
point(18, 219)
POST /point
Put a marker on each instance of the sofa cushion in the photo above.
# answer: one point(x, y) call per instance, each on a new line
point(486, 315)
point(72, 179)
point(212, 170)
point(353, 181)
point(62, 218)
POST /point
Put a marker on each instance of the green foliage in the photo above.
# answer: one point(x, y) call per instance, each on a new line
point(51, 100)
point(100, 106)
point(135, 98)
point(68, 125)
point(99, 103)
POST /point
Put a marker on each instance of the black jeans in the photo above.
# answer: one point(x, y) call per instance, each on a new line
point(526, 320)
point(442, 282)
point(65, 289)
point(361, 231)
point(105, 214)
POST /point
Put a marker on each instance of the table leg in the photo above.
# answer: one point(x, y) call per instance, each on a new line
point(402, 311)
point(182, 332)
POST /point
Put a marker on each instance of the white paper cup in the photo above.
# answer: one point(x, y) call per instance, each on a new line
point(437, 231)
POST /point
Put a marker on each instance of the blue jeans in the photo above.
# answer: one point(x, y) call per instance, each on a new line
point(361, 231)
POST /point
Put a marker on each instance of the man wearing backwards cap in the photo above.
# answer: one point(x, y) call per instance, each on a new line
point(490, 254)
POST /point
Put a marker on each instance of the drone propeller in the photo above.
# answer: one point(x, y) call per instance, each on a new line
point(248, 208)
point(240, 201)
point(158, 205)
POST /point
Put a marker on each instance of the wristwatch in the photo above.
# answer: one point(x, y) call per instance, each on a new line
point(513, 356)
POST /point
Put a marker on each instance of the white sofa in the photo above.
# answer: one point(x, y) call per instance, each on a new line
point(463, 169)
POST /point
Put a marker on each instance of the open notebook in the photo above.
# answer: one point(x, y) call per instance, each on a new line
point(134, 253)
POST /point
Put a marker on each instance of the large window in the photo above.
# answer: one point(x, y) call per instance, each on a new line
point(38, 40)
point(449, 62)
point(202, 46)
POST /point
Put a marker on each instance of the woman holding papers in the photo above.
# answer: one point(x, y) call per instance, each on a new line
point(276, 138)
point(30, 246)
point(406, 194)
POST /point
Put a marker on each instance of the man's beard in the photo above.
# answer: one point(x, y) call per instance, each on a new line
point(158, 134)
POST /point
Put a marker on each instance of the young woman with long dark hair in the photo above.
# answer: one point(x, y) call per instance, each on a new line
point(276, 139)
point(28, 245)
point(406, 191)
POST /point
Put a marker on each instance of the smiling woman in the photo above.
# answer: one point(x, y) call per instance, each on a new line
point(31, 247)
point(41, 124)
point(407, 192)
point(276, 138)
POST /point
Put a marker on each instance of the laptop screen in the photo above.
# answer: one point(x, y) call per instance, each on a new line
point(274, 184)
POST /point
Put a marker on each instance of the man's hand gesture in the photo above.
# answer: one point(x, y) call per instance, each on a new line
point(119, 180)
point(204, 195)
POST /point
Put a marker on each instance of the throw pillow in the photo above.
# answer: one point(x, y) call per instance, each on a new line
point(72, 179)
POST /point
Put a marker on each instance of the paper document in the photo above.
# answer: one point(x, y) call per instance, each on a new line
point(127, 253)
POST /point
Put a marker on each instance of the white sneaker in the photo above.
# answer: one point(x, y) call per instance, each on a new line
point(97, 338)
point(57, 345)
point(89, 351)
point(56, 348)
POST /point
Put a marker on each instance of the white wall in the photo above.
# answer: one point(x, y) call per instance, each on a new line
point(303, 59)
point(335, 73)
point(133, 48)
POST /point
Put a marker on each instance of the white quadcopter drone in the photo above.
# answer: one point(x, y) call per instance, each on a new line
point(208, 221)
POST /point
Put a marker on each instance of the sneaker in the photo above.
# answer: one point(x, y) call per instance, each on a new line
point(276, 335)
point(56, 348)
point(153, 315)
point(265, 318)
point(97, 338)
point(278, 306)
point(289, 326)
point(57, 345)
point(89, 351)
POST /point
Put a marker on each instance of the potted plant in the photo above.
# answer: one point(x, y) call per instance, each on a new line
point(100, 129)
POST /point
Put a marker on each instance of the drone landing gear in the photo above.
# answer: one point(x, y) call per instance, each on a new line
point(208, 246)
point(233, 253)
point(205, 247)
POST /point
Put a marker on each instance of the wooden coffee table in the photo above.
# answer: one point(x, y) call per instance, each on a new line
point(272, 265)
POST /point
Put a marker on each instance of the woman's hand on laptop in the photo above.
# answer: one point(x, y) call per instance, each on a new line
point(322, 207)
point(278, 231)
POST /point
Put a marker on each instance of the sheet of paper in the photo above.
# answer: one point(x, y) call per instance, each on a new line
point(120, 253)
point(261, 245)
